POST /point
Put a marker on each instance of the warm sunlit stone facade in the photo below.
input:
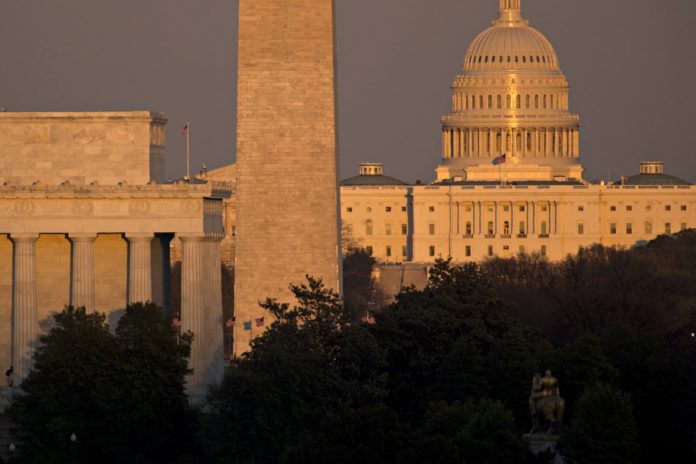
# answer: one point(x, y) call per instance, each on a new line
point(512, 100)
point(84, 222)
point(287, 210)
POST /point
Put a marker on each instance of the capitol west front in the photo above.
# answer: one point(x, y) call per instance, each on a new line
point(510, 178)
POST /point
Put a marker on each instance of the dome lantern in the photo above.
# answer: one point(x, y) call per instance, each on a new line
point(510, 12)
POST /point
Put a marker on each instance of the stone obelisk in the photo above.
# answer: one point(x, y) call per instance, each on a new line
point(287, 217)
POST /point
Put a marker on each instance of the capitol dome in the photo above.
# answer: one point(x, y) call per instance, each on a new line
point(510, 117)
point(508, 45)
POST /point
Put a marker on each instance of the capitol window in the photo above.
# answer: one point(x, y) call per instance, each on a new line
point(490, 250)
point(612, 208)
point(543, 250)
point(431, 250)
point(523, 228)
point(431, 229)
point(536, 102)
point(467, 228)
point(490, 228)
point(388, 250)
point(519, 102)
point(668, 228)
point(545, 100)
point(527, 101)
point(544, 228)
point(388, 209)
point(612, 228)
point(403, 209)
point(368, 209)
point(368, 227)
point(500, 102)
point(431, 209)
point(506, 228)
point(387, 229)
point(369, 249)
point(648, 227)
point(349, 209)
point(490, 102)
point(506, 208)
point(581, 229)
point(404, 229)
point(668, 208)
point(683, 207)
point(683, 226)
point(629, 208)
point(467, 250)
point(581, 208)
point(629, 229)
point(522, 208)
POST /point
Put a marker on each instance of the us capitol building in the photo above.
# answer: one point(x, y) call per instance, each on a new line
point(510, 179)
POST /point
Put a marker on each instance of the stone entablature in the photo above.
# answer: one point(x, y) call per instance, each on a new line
point(106, 147)
point(181, 208)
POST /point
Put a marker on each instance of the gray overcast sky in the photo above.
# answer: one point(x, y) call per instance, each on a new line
point(630, 63)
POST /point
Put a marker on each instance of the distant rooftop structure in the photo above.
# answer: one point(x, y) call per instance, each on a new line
point(652, 173)
point(372, 174)
point(371, 169)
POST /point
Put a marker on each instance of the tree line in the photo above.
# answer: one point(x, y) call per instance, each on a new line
point(443, 374)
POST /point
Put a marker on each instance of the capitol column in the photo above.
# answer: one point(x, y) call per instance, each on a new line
point(139, 267)
point(82, 271)
point(201, 312)
point(25, 326)
point(456, 143)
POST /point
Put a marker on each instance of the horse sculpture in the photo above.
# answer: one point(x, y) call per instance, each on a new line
point(546, 405)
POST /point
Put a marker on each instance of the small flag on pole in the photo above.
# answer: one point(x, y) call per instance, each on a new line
point(229, 323)
point(247, 325)
point(259, 322)
point(176, 322)
point(185, 129)
point(500, 160)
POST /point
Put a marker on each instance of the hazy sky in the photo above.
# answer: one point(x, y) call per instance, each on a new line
point(631, 65)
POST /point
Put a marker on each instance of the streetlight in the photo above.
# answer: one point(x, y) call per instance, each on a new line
point(73, 437)
point(12, 447)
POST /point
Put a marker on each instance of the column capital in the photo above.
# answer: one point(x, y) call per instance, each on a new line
point(138, 236)
point(24, 237)
point(82, 237)
point(191, 237)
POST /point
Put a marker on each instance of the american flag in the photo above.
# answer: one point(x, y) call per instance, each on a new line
point(229, 323)
point(259, 322)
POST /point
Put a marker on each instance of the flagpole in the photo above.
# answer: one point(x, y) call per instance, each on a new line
point(188, 150)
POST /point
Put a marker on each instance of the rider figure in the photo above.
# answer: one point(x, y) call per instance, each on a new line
point(549, 385)
point(536, 394)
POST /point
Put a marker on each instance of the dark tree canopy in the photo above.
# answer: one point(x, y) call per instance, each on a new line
point(122, 395)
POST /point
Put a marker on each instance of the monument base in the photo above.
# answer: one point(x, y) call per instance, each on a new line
point(540, 443)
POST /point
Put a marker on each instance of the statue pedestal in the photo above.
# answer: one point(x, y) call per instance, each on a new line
point(541, 443)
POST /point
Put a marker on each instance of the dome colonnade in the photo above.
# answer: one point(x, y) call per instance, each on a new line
point(511, 99)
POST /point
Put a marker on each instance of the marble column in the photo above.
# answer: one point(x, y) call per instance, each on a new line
point(82, 271)
point(25, 326)
point(201, 312)
point(139, 267)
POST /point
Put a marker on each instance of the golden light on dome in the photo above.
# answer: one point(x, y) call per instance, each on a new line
point(510, 99)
